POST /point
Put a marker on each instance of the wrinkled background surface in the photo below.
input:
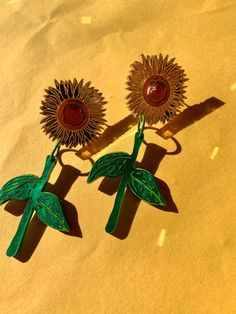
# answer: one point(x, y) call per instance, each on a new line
point(178, 260)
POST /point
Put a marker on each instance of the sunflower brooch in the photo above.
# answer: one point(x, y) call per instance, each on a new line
point(157, 89)
point(73, 114)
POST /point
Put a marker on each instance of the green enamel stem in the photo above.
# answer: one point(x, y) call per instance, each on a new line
point(50, 163)
point(141, 124)
point(137, 143)
point(138, 138)
point(113, 219)
point(16, 242)
point(56, 149)
point(20, 233)
point(49, 166)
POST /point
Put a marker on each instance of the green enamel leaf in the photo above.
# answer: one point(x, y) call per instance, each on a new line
point(110, 165)
point(18, 188)
point(49, 210)
point(142, 184)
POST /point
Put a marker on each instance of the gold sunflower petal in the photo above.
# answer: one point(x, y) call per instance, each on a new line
point(63, 90)
point(87, 85)
point(54, 92)
point(56, 84)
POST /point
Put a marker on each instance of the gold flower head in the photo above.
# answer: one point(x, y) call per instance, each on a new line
point(73, 112)
point(156, 88)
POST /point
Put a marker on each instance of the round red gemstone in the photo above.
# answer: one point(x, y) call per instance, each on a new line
point(156, 90)
point(73, 114)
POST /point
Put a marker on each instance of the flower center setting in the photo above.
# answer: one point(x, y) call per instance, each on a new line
point(156, 90)
point(72, 114)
